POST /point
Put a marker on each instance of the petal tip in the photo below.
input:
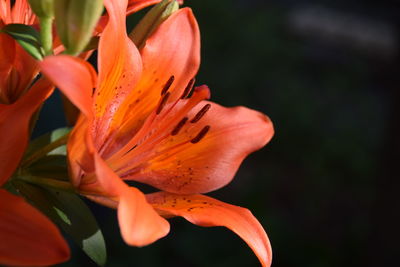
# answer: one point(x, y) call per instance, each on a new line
point(139, 223)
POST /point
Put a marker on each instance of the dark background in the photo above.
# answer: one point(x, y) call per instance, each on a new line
point(327, 74)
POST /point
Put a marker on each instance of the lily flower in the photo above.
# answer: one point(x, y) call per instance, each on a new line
point(19, 98)
point(144, 122)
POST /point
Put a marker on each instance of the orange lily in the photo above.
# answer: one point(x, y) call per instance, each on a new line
point(28, 237)
point(19, 99)
point(143, 123)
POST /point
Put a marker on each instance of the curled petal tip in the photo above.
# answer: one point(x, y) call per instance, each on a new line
point(139, 223)
point(206, 211)
point(204, 90)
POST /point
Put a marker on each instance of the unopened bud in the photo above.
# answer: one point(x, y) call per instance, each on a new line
point(75, 22)
point(152, 20)
point(42, 8)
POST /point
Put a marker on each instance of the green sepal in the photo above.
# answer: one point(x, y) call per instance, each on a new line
point(42, 8)
point(27, 37)
point(71, 214)
point(152, 20)
point(75, 22)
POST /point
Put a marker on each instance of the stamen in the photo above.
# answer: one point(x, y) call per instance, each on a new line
point(162, 103)
point(168, 85)
point(179, 126)
point(200, 135)
point(188, 89)
point(201, 113)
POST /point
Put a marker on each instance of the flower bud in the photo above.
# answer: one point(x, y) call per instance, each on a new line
point(42, 8)
point(75, 22)
point(151, 20)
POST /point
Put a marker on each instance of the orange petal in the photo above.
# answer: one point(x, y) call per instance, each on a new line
point(205, 211)
point(190, 163)
point(76, 79)
point(5, 11)
point(7, 51)
point(14, 126)
point(26, 69)
point(17, 70)
point(139, 223)
point(27, 237)
point(136, 5)
point(80, 156)
point(172, 50)
point(74, 76)
point(22, 13)
point(119, 65)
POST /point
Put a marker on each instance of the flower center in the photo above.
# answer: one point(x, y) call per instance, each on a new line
point(166, 130)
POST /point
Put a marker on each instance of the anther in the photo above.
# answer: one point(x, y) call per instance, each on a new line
point(162, 103)
point(200, 135)
point(167, 85)
point(188, 89)
point(201, 113)
point(179, 126)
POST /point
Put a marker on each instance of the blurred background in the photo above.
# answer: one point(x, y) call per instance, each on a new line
point(327, 74)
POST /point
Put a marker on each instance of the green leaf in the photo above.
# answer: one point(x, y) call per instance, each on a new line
point(69, 212)
point(46, 139)
point(27, 37)
point(51, 166)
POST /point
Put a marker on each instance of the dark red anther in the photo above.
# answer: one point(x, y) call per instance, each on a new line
point(188, 89)
point(167, 85)
point(179, 126)
point(162, 103)
point(201, 134)
point(201, 113)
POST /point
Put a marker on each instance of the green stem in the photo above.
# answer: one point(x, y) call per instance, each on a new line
point(45, 150)
point(46, 182)
point(46, 34)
